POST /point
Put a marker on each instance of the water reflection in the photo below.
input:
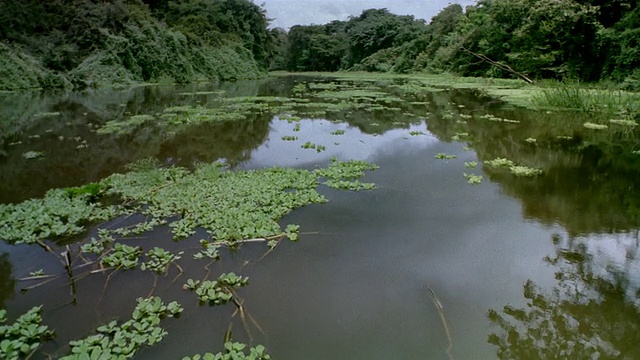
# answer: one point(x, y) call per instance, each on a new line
point(592, 312)
point(7, 282)
point(63, 128)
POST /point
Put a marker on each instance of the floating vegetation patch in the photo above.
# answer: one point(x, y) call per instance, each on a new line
point(524, 171)
point(515, 169)
point(21, 339)
point(416, 133)
point(234, 351)
point(443, 156)
point(345, 175)
point(217, 292)
point(229, 205)
point(33, 155)
point(214, 92)
point(46, 114)
point(59, 213)
point(299, 89)
point(310, 145)
point(122, 341)
point(470, 164)
point(289, 138)
point(499, 162)
point(122, 256)
point(337, 132)
point(473, 178)
point(459, 136)
point(159, 260)
point(594, 126)
point(494, 118)
point(125, 126)
point(623, 122)
point(289, 118)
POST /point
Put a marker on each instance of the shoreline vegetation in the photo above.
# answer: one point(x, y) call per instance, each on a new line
point(125, 43)
point(80, 44)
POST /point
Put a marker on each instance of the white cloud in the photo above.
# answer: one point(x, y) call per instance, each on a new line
point(286, 13)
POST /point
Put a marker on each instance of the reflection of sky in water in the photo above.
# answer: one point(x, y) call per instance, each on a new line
point(617, 253)
point(361, 282)
point(353, 144)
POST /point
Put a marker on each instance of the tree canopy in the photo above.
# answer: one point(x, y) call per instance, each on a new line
point(585, 40)
point(63, 43)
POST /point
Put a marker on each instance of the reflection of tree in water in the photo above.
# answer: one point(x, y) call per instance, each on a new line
point(591, 314)
point(7, 282)
point(232, 141)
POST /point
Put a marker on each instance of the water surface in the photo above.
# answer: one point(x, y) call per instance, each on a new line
point(553, 258)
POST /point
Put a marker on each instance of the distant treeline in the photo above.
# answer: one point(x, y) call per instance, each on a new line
point(585, 40)
point(80, 43)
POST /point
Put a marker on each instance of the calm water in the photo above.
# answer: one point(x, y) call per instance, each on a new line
point(550, 260)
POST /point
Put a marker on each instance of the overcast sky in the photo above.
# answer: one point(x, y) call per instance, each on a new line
point(286, 13)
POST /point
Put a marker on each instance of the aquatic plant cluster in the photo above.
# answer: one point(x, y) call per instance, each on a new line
point(22, 338)
point(319, 100)
point(517, 170)
point(121, 341)
point(230, 205)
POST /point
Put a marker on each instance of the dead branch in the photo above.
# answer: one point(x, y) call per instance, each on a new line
point(500, 66)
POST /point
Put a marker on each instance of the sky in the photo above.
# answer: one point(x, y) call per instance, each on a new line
point(286, 13)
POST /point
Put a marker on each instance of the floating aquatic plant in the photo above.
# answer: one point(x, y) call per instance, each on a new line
point(159, 260)
point(524, 171)
point(122, 256)
point(234, 351)
point(33, 154)
point(344, 175)
point(338, 132)
point(289, 138)
point(459, 136)
point(58, 213)
point(46, 114)
point(443, 156)
point(473, 178)
point(623, 122)
point(470, 164)
point(122, 341)
point(229, 205)
point(22, 338)
point(498, 119)
point(415, 133)
point(210, 251)
point(219, 291)
point(37, 273)
point(499, 162)
point(593, 126)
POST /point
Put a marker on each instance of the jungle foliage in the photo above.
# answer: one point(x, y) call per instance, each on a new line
point(584, 40)
point(81, 43)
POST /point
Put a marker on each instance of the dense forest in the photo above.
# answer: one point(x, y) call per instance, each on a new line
point(80, 43)
point(85, 43)
point(583, 40)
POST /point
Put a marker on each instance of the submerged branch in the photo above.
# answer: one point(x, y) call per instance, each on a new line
point(440, 308)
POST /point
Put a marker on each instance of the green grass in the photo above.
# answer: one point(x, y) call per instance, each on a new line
point(567, 96)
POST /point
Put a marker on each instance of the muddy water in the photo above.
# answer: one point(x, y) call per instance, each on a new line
point(551, 260)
